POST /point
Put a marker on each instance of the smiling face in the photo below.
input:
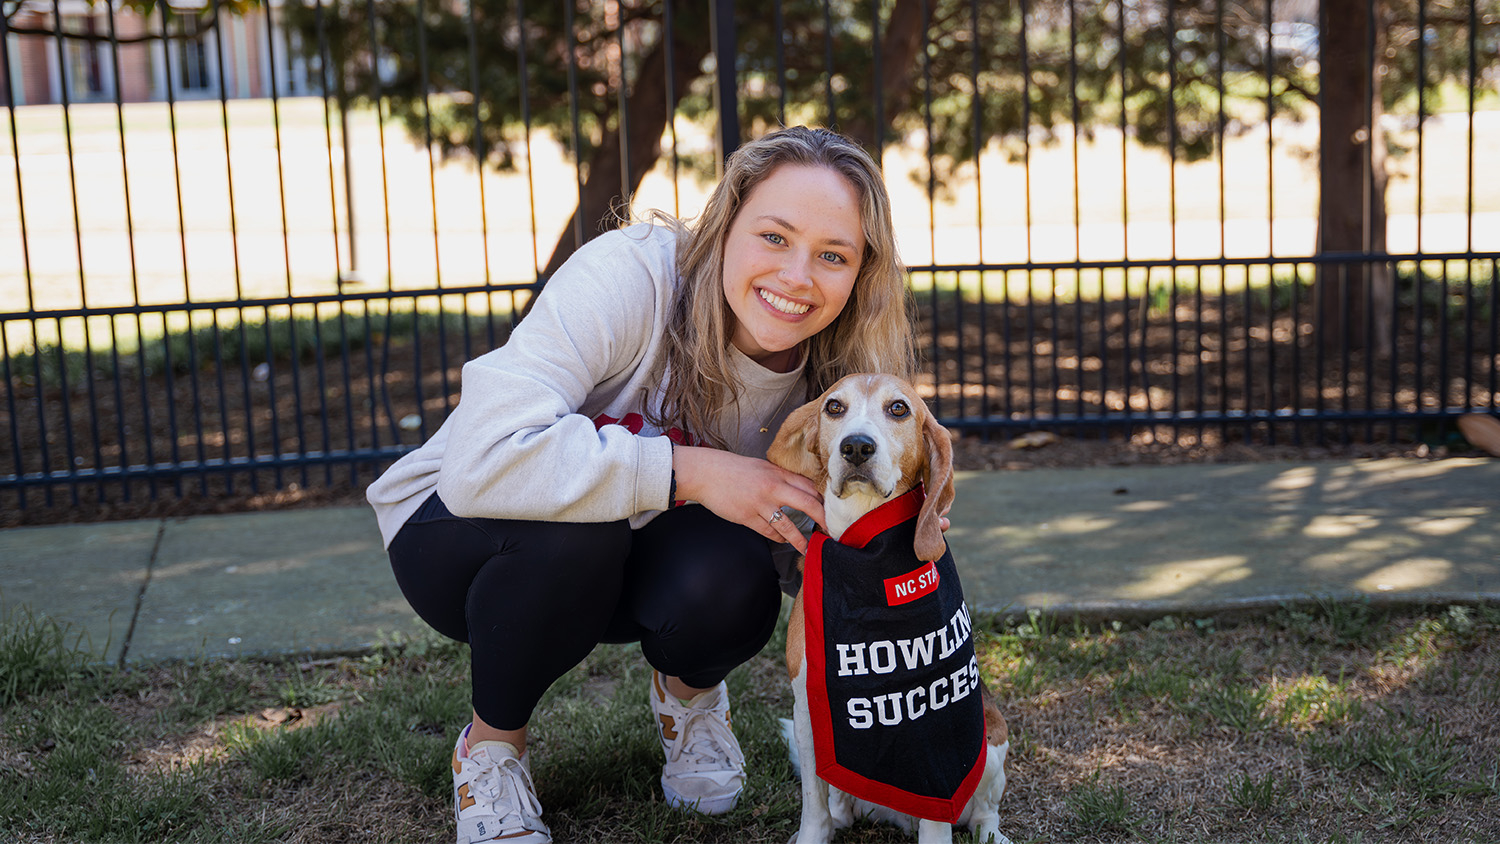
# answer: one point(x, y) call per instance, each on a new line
point(790, 260)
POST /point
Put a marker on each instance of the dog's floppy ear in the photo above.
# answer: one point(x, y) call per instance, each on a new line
point(796, 444)
point(929, 544)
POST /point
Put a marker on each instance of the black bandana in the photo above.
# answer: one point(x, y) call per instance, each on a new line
point(892, 682)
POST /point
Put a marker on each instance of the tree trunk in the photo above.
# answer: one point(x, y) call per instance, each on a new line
point(1352, 180)
point(899, 47)
point(647, 112)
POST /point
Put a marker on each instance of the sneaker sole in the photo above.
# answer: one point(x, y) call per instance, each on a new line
point(701, 805)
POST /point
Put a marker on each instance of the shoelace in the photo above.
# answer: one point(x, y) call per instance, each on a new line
point(705, 743)
point(508, 788)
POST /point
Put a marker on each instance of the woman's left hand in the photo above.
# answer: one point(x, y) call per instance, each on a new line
point(748, 491)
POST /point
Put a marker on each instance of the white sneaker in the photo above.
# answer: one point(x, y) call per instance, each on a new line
point(705, 767)
point(493, 796)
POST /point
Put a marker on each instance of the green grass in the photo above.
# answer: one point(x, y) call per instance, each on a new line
point(1321, 722)
point(38, 655)
point(1101, 809)
point(233, 338)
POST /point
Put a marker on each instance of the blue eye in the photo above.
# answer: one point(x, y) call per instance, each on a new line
point(834, 258)
point(774, 238)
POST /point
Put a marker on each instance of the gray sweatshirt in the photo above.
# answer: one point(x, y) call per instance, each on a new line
point(550, 426)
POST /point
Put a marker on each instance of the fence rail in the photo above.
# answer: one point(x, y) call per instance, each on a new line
point(215, 285)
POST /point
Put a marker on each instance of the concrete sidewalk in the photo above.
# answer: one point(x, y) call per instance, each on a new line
point(1106, 542)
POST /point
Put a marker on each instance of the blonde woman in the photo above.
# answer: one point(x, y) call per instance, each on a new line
point(602, 476)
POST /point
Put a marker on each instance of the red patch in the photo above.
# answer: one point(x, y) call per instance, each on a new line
point(634, 423)
point(908, 587)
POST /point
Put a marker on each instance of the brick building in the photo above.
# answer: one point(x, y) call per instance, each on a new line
point(200, 60)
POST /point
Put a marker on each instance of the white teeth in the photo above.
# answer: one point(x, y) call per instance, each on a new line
point(781, 304)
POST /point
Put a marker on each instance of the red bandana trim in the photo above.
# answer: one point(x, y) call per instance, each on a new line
point(872, 524)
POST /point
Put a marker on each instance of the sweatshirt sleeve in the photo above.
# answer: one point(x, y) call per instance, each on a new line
point(517, 447)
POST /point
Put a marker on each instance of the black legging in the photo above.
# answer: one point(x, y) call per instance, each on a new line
point(532, 599)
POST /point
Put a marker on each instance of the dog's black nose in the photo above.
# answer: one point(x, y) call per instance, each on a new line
point(857, 448)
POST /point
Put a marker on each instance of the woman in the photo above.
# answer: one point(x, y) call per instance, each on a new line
point(602, 477)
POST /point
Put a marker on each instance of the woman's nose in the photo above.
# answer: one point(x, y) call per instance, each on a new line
point(797, 270)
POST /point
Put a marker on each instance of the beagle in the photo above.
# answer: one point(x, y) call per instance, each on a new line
point(885, 466)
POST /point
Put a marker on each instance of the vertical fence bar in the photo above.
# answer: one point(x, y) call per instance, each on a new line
point(1346, 321)
point(286, 248)
point(1076, 116)
point(377, 97)
point(1370, 346)
point(1296, 313)
point(1128, 354)
point(1444, 331)
point(1367, 182)
point(10, 400)
point(1419, 388)
point(1473, 78)
point(1494, 334)
point(36, 354)
point(36, 348)
point(569, 15)
point(62, 361)
point(187, 295)
point(437, 251)
point(875, 70)
point(480, 152)
point(831, 113)
point(1421, 40)
point(74, 460)
point(1269, 60)
point(1172, 210)
point(135, 298)
point(669, 30)
point(726, 83)
point(623, 124)
point(1030, 309)
point(937, 354)
point(521, 61)
point(1470, 326)
point(114, 339)
point(325, 63)
point(978, 129)
point(239, 293)
point(385, 204)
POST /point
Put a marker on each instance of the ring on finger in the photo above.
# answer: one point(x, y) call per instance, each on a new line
point(776, 517)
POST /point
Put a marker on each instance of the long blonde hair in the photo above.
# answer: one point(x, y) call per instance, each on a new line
point(873, 333)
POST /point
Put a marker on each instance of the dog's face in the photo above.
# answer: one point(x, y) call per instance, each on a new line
point(872, 436)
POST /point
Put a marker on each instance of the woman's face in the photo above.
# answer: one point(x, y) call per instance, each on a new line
point(790, 260)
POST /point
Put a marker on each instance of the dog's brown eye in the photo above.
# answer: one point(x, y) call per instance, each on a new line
point(834, 407)
point(898, 409)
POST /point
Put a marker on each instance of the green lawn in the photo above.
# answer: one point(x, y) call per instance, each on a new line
point(1323, 723)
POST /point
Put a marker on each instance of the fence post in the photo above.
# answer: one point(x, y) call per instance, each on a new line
point(726, 86)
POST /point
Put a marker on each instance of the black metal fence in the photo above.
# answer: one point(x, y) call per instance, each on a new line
point(1198, 220)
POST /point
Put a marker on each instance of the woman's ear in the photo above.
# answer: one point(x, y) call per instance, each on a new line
point(796, 445)
point(929, 544)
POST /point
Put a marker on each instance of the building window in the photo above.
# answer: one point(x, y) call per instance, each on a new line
point(190, 61)
point(85, 70)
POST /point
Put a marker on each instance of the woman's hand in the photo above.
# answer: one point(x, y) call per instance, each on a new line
point(747, 491)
